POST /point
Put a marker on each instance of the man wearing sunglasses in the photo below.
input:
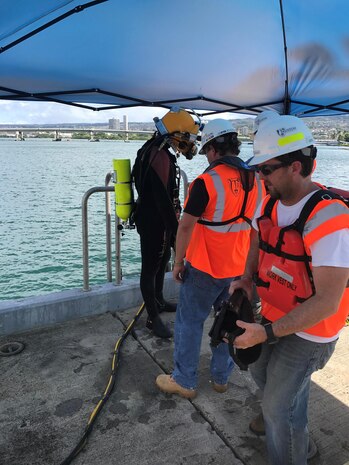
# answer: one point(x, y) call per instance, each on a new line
point(299, 259)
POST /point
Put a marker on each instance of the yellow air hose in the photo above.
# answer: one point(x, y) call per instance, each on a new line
point(107, 392)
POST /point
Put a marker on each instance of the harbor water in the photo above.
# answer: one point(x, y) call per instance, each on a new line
point(42, 185)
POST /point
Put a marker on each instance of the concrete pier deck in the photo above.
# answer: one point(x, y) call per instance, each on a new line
point(48, 391)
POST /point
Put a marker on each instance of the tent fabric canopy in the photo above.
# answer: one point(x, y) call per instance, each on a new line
point(241, 56)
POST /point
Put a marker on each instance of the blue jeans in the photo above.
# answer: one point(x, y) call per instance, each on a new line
point(198, 293)
point(283, 374)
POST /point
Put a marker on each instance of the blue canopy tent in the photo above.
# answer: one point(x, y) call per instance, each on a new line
point(240, 56)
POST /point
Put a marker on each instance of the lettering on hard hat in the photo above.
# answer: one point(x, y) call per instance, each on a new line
point(224, 131)
point(283, 131)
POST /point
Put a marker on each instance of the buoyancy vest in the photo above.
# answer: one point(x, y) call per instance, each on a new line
point(221, 238)
point(285, 277)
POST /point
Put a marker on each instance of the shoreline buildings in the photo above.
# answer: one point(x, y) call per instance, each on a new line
point(116, 124)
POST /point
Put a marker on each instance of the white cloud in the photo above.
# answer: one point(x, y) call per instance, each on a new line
point(50, 113)
point(46, 113)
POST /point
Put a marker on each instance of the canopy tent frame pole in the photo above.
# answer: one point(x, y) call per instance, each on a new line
point(77, 9)
point(247, 107)
point(15, 94)
point(46, 96)
point(316, 107)
point(20, 95)
point(287, 102)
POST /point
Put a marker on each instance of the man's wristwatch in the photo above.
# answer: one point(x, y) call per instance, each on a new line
point(271, 338)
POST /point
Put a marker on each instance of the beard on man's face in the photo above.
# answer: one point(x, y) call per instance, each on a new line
point(272, 191)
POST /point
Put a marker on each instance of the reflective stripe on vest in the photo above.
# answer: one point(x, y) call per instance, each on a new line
point(232, 227)
point(327, 216)
point(220, 204)
point(260, 189)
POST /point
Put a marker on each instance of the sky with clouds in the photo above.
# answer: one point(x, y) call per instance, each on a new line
point(46, 113)
point(50, 113)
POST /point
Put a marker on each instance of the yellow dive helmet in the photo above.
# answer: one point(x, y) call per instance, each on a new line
point(182, 130)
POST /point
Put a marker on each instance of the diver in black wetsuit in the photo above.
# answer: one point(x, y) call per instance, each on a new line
point(156, 176)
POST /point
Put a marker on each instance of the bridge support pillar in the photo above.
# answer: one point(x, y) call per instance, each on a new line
point(19, 135)
point(57, 137)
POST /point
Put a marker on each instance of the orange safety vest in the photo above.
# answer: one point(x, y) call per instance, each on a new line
point(284, 277)
point(221, 238)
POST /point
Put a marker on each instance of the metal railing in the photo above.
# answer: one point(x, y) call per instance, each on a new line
point(85, 253)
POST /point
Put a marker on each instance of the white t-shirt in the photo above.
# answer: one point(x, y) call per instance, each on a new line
point(331, 250)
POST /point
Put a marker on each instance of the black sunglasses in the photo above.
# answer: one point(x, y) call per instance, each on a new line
point(266, 170)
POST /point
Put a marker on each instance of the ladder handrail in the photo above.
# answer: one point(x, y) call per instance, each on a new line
point(85, 254)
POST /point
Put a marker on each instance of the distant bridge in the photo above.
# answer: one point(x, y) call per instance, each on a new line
point(19, 132)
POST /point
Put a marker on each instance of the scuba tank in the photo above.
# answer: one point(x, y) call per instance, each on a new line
point(124, 200)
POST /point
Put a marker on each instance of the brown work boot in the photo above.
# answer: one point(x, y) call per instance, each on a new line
point(257, 425)
point(167, 384)
point(221, 388)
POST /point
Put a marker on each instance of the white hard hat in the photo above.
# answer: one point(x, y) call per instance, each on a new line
point(278, 136)
point(263, 117)
point(214, 129)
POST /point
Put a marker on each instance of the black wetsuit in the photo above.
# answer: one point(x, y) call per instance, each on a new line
point(156, 179)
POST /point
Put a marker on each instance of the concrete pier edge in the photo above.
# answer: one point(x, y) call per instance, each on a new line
point(35, 312)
